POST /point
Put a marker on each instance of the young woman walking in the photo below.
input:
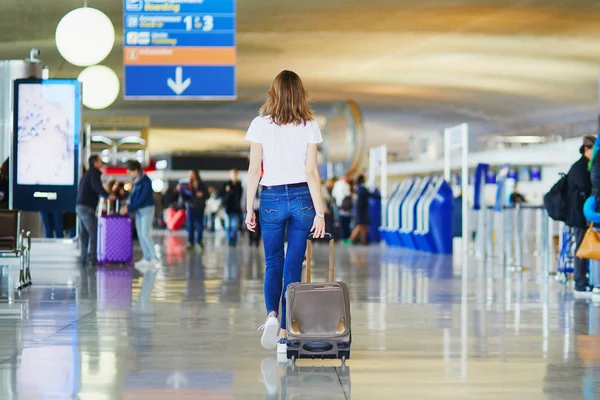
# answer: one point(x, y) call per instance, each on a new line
point(284, 137)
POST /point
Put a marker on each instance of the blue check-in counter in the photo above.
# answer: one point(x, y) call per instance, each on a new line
point(420, 216)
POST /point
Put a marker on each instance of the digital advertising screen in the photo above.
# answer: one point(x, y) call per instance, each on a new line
point(46, 132)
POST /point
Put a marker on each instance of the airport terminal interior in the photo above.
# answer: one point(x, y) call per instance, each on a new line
point(446, 124)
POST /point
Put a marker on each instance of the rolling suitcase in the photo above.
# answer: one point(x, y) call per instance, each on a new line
point(115, 238)
point(318, 315)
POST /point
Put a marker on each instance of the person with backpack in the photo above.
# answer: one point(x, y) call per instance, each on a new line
point(193, 195)
point(578, 189)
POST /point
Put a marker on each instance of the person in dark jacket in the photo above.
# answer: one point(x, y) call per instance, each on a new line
point(232, 202)
point(90, 189)
point(361, 216)
point(594, 168)
point(141, 204)
point(4, 185)
point(194, 195)
point(579, 188)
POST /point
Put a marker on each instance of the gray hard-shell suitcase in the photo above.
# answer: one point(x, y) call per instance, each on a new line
point(318, 315)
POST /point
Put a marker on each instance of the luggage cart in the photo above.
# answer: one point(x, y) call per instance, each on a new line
point(566, 256)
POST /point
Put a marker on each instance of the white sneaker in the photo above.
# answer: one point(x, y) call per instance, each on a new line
point(282, 346)
point(270, 330)
point(142, 263)
point(596, 295)
point(583, 294)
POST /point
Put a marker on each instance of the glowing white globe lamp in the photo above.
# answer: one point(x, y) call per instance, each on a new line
point(100, 86)
point(85, 36)
point(158, 185)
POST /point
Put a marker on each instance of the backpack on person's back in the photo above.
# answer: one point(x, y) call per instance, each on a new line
point(556, 201)
point(346, 204)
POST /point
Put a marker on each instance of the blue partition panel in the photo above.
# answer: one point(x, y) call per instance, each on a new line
point(385, 225)
point(440, 218)
point(374, 217)
point(409, 214)
point(395, 217)
point(422, 235)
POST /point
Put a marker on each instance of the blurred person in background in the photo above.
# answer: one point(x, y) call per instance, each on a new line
point(4, 185)
point(516, 197)
point(53, 224)
point(342, 196)
point(90, 189)
point(328, 204)
point(140, 204)
point(579, 188)
point(361, 215)
point(232, 202)
point(193, 195)
point(213, 207)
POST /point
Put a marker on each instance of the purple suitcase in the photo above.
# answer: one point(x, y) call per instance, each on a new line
point(115, 239)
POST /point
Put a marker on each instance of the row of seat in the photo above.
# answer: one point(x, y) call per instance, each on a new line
point(16, 242)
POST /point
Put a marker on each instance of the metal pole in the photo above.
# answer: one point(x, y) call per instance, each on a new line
point(545, 241)
point(518, 237)
point(384, 183)
point(508, 227)
point(500, 236)
point(447, 173)
point(525, 217)
point(372, 165)
point(464, 184)
point(489, 221)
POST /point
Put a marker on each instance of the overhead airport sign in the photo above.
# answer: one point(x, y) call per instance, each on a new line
point(179, 50)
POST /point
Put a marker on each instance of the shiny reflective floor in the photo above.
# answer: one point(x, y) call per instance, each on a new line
point(187, 330)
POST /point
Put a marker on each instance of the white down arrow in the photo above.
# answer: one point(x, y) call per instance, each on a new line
point(179, 85)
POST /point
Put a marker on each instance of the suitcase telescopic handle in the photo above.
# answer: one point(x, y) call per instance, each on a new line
point(311, 238)
point(106, 200)
point(327, 237)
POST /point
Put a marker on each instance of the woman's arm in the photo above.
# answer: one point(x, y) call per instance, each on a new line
point(253, 174)
point(313, 179)
point(314, 185)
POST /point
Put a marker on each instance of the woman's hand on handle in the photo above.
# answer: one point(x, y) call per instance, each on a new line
point(318, 228)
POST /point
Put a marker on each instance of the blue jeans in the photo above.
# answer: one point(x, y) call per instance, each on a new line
point(233, 221)
point(53, 224)
point(195, 225)
point(280, 208)
point(88, 233)
point(143, 225)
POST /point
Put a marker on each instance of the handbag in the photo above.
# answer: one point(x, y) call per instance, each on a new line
point(590, 245)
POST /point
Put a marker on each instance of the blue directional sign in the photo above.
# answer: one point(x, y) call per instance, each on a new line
point(179, 50)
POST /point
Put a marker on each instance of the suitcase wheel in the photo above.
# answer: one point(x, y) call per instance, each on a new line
point(344, 356)
point(292, 355)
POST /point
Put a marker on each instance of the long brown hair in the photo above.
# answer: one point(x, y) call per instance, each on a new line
point(195, 181)
point(288, 101)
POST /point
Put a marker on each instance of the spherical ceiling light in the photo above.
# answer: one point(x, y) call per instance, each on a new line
point(100, 86)
point(85, 36)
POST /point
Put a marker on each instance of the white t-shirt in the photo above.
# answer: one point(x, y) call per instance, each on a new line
point(284, 149)
point(341, 190)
